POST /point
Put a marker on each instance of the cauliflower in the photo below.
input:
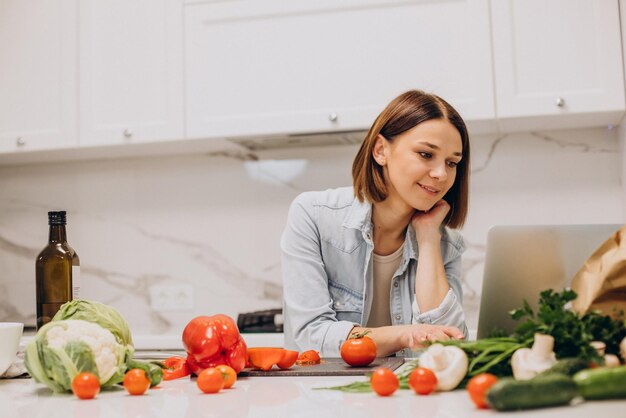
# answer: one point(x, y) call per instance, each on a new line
point(62, 349)
point(100, 340)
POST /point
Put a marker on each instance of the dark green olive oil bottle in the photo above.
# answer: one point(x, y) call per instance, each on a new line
point(57, 271)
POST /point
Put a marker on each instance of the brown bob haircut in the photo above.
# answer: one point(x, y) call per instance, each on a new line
point(403, 113)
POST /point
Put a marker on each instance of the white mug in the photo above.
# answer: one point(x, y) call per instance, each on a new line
point(10, 334)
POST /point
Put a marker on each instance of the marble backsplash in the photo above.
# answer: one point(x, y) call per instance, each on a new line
point(206, 228)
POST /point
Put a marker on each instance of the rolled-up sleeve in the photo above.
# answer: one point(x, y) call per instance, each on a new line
point(450, 310)
point(310, 322)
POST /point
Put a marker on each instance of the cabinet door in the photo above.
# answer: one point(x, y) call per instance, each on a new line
point(37, 74)
point(131, 71)
point(269, 66)
point(560, 59)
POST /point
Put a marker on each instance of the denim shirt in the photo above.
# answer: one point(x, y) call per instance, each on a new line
point(328, 273)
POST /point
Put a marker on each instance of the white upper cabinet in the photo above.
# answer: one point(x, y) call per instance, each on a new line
point(37, 74)
point(270, 66)
point(131, 74)
point(558, 63)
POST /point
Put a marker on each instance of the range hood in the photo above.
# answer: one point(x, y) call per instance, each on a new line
point(300, 140)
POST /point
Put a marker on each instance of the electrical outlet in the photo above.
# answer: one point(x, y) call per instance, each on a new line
point(171, 297)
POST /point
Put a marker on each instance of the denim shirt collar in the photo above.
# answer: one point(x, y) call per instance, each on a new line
point(360, 217)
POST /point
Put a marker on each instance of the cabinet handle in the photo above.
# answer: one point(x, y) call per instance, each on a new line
point(333, 117)
point(20, 142)
point(128, 133)
point(560, 102)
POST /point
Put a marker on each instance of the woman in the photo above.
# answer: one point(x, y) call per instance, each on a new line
point(379, 257)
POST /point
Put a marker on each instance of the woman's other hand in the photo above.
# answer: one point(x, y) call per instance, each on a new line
point(426, 224)
point(420, 335)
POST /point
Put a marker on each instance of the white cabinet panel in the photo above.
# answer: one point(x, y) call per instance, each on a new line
point(38, 64)
point(560, 59)
point(131, 71)
point(267, 67)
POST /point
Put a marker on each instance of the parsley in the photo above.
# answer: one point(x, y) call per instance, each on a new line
point(572, 334)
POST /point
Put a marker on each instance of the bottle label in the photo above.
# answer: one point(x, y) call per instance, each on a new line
point(75, 282)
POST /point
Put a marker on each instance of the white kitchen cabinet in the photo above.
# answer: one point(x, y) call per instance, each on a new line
point(38, 86)
point(270, 67)
point(558, 63)
point(131, 74)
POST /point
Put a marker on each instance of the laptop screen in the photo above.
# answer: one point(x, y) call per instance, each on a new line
point(523, 260)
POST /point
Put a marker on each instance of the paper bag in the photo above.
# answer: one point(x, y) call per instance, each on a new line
point(601, 282)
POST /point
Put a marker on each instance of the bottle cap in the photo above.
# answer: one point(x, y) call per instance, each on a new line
point(56, 218)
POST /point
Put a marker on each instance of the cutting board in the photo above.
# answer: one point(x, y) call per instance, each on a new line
point(329, 367)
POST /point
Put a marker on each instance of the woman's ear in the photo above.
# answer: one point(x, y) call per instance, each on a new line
point(379, 150)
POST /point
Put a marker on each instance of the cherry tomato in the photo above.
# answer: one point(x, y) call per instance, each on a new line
point(210, 380)
point(136, 382)
point(308, 358)
point(228, 374)
point(384, 381)
point(85, 385)
point(478, 386)
point(175, 368)
point(358, 351)
point(423, 381)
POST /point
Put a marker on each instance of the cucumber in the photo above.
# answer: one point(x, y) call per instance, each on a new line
point(566, 366)
point(509, 394)
point(602, 383)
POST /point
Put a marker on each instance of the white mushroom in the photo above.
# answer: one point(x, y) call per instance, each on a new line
point(622, 349)
point(599, 346)
point(611, 360)
point(449, 363)
point(529, 362)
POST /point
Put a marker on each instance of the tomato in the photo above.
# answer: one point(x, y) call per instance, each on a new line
point(359, 351)
point(175, 368)
point(85, 385)
point(288, 360)
point(136, 382)
point(384, 382)
point(210, 380)
point(228, 375)
point(214, 340)
point(423, 381)
point(478, 386)
point(264, 357)
point(308, 358)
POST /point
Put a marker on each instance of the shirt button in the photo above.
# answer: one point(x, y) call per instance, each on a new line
point(398, 317)
point(395, 284)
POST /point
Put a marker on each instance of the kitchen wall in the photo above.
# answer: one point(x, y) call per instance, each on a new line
point(164, 239)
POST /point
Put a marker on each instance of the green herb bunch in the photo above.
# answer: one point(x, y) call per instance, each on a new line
point(572, 334)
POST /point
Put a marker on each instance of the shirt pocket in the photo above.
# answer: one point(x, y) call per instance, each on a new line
point(346, 302)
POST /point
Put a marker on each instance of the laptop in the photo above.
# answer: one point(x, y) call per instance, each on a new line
point(521, 261)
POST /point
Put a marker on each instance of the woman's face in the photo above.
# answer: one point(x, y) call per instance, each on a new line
point(420, 164)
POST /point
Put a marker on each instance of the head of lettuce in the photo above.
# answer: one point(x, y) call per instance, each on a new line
point(84, 336)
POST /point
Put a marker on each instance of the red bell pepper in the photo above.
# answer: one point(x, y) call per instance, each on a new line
point(175, 368)
point(214, 340)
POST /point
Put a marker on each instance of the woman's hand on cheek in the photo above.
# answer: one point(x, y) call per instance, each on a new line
point(426, 224)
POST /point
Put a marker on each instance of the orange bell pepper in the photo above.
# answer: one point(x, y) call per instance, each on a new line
point(265, 357)
point(288, 360)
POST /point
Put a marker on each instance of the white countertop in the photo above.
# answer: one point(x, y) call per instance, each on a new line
point(260, 397)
